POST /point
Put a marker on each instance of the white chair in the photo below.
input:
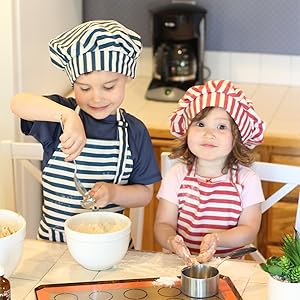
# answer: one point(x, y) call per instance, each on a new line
point(287, 175)
point(29, 156)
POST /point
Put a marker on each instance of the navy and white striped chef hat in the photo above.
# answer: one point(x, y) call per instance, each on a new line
point(101, 45)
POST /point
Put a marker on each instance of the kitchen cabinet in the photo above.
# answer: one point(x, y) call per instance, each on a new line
point(277, 220)
point(149, 243)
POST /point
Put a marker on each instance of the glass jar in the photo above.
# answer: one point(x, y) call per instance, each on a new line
point(4, 286)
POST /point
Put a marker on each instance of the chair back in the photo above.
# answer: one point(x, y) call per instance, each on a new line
point(26, 158)
point(288, 176)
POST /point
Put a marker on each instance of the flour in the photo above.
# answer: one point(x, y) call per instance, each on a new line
point(165, 281)
point(100, 227)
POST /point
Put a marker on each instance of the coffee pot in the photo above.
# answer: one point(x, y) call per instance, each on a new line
point(175, 62)
point(178, 50)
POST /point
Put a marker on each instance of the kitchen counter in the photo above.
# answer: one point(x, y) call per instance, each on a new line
point(48, 262)
point(279, 106)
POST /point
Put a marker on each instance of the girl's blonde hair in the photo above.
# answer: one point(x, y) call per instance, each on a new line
point(240, 154)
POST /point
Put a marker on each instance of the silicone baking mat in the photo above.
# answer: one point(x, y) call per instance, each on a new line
point(134, 289)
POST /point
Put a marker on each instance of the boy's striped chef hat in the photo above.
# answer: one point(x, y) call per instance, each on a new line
point(101, 45)
point(219, 93)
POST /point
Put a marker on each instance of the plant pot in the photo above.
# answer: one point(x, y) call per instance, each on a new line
point(279, 290)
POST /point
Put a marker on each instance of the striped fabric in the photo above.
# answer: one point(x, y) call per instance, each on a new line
point(101, 45)
point(61, 199)
point(100, 160)
point(207, 206)
point(219, 93)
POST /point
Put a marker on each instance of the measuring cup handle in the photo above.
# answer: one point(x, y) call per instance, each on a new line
point(241, 252)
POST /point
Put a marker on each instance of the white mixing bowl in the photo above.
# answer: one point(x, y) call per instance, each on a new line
point(11, 246)
point(98, 251)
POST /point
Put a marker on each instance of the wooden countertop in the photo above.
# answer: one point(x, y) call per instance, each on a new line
point(278, 106)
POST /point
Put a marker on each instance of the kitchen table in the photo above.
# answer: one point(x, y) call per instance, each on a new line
point(48, 262)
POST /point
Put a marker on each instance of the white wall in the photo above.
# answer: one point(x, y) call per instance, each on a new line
point(254, 68)
point(6, 74)
point(26, 28)
point(36, 23)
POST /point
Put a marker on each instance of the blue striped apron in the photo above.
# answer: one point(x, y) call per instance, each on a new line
point(100, 160)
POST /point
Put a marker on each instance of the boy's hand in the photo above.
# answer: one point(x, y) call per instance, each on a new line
point(208, 247)
point(73, 138)
point(103, 193)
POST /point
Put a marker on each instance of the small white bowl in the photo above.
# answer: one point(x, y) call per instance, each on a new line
point(98, 251)
point(11, 246)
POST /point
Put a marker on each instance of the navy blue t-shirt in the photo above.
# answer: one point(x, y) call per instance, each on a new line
point(145, 168)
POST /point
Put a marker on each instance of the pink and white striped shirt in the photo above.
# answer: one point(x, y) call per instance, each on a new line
point(209, 205)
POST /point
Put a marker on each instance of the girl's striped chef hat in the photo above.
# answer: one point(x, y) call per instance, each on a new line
point(219, 93)
point(101, 45)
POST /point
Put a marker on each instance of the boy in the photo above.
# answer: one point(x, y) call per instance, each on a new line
point(113, 150)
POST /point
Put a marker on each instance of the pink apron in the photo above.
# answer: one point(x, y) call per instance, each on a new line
point(206, 206)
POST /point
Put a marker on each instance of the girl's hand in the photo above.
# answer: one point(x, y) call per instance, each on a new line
point(178, 246)
point(208, 247)
point(73, 138)
point(103, 193)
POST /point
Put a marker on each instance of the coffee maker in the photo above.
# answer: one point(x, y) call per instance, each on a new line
point(178, 50)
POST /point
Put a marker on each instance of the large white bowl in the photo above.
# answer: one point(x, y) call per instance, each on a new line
point(11, 246)
point(97, 251)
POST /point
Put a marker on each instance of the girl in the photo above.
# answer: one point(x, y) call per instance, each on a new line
point(113, 150)
point(210, 201)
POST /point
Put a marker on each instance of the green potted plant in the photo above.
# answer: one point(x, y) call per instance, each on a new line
point(284, 279)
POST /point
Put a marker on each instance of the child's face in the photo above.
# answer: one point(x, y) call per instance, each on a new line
point(211, 138)
point(100, 93)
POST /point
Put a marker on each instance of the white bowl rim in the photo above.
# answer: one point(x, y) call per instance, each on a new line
point(107, 234)
point(18, 216)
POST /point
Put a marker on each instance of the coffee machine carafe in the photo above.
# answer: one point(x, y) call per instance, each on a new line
point(175, 62)
point(178, 50)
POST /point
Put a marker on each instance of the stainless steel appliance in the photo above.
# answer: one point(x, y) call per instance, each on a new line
point(178, 50)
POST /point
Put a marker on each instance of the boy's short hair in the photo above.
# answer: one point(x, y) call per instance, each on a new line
point(101, 45)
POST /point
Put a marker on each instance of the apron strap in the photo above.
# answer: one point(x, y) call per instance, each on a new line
point(123, 139)
point(234, 178)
